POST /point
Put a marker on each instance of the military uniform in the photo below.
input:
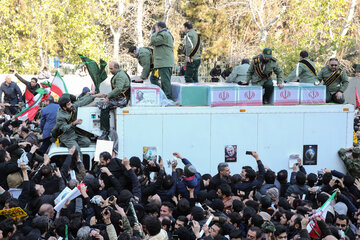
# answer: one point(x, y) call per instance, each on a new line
point(339, 85)
point(145, 59)
point(352, 165)
point(193, 49)
point(238, 74)
point(267, 69)
point(118, 97)
point(163, 43)
point(303, 72)
point(67, 130)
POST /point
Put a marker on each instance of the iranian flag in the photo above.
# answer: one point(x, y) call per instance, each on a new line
point(313, 228)
point(46, 85)
point(30, 112)
point(29, 97)
point(58, 85)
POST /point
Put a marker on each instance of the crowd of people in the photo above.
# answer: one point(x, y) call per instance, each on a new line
point(135, 199)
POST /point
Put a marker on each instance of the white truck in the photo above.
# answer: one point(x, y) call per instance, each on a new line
point(201, 133)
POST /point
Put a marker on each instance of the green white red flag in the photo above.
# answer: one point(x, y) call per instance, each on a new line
point(58, 85)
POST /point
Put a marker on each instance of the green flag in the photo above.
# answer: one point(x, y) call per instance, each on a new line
point(98, 75)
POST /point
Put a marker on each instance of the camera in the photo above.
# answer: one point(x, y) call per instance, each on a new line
point(248, 152)
point(204, 206)
point(191, 223)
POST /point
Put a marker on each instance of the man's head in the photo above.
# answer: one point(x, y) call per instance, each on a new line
point(223, 170)
point(7, 79)
point(217, 67)
point(166, 209)
point(342, 222)
point(132, 51)
point(254, 233)
point(41, 223)
point(24, 131)
point(181, 221)
point(160, 25)
point(47, 210)
point(60, 226)
point(303, 54)
point(333, 64)
point(104, 158)
point(7, 227)
point(248, 174)
point(356, 153)
point(280, 232)
point(49, 100)
point(187, 26)
point(114, 67)
point(270, 177)
point(152, 225)
point(39, 189)
point(66, 104)
point(300, 178)
point(295, 221)
point(33, 82)
point(4, 156)
point(245, 61)
point(223, 190)
point(230, 150)
point(267, 54)
point(214, 230)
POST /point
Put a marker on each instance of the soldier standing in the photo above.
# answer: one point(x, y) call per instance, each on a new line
point(163, 43)
point(193, 49)
point(305, 70)
point(336, 81)
point(260, 71)
point(352, 162)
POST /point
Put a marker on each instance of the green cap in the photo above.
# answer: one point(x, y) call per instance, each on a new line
point(267, 52)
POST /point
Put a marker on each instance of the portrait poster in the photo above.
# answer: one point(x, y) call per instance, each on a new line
point(150, 153)
point(230, 153)
point(310, 153)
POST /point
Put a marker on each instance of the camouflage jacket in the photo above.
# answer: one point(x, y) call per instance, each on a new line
point(352, 165)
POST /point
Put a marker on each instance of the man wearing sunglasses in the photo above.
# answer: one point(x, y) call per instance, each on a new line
point(342, 223)
point(336, 81)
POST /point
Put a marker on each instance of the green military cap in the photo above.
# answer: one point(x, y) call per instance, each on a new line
point(268, 227)
point(356, 150)
point(267, 52)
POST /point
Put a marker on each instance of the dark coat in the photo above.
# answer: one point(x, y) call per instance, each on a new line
point(48, 119)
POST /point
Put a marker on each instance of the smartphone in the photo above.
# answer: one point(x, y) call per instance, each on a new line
point(204, 206)
point(111, 198)
point(248, 152)
point(53, 165)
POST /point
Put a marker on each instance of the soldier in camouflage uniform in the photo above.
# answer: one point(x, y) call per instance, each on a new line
point(336, 81)
point(352, 162)
point(260, 71)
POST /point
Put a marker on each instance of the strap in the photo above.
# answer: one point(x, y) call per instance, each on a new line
point(196, 48)
point(333, 77)
point(258, 69)
point(308, 65)
point(297, 70)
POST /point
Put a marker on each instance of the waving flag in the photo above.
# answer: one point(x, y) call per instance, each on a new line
point(312, 228)
point(98, 75)
point(58, 85)
point(30, 112)
point(357, 99)
point(29, 97)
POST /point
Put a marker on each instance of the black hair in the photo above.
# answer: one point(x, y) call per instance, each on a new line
point(300, 178)
point(236, 178)
point(322, 198)
point(217, 66)
point(245, 60)
point(333, 59)
point(13, 202)
point(235, 217)
point(270, 177)
point(105, 155)
point(188, 25)
point(206, 176)
point(311, 179)
point(63, 101)
point(183, 206)
point(279, 229)
point(349, 181)
point(326, 178)
point(25, 129)
point(151, 208)
point(41, 223)
point(225, 189)
point(257, 221)
point(2, 155)
point(36, 80)
point(304, 54)
point(250, 173)
point(59, 225)
point(183, 219)
point(238, 205)
point(132, 49)
point(153, 225)
point(168, 182)
point(197, 213)
point(248, 212)
point(7, 226)
point(161, 24)
point(282, 175)
point(169, 205)
point(257, 230)
point(343, 217)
